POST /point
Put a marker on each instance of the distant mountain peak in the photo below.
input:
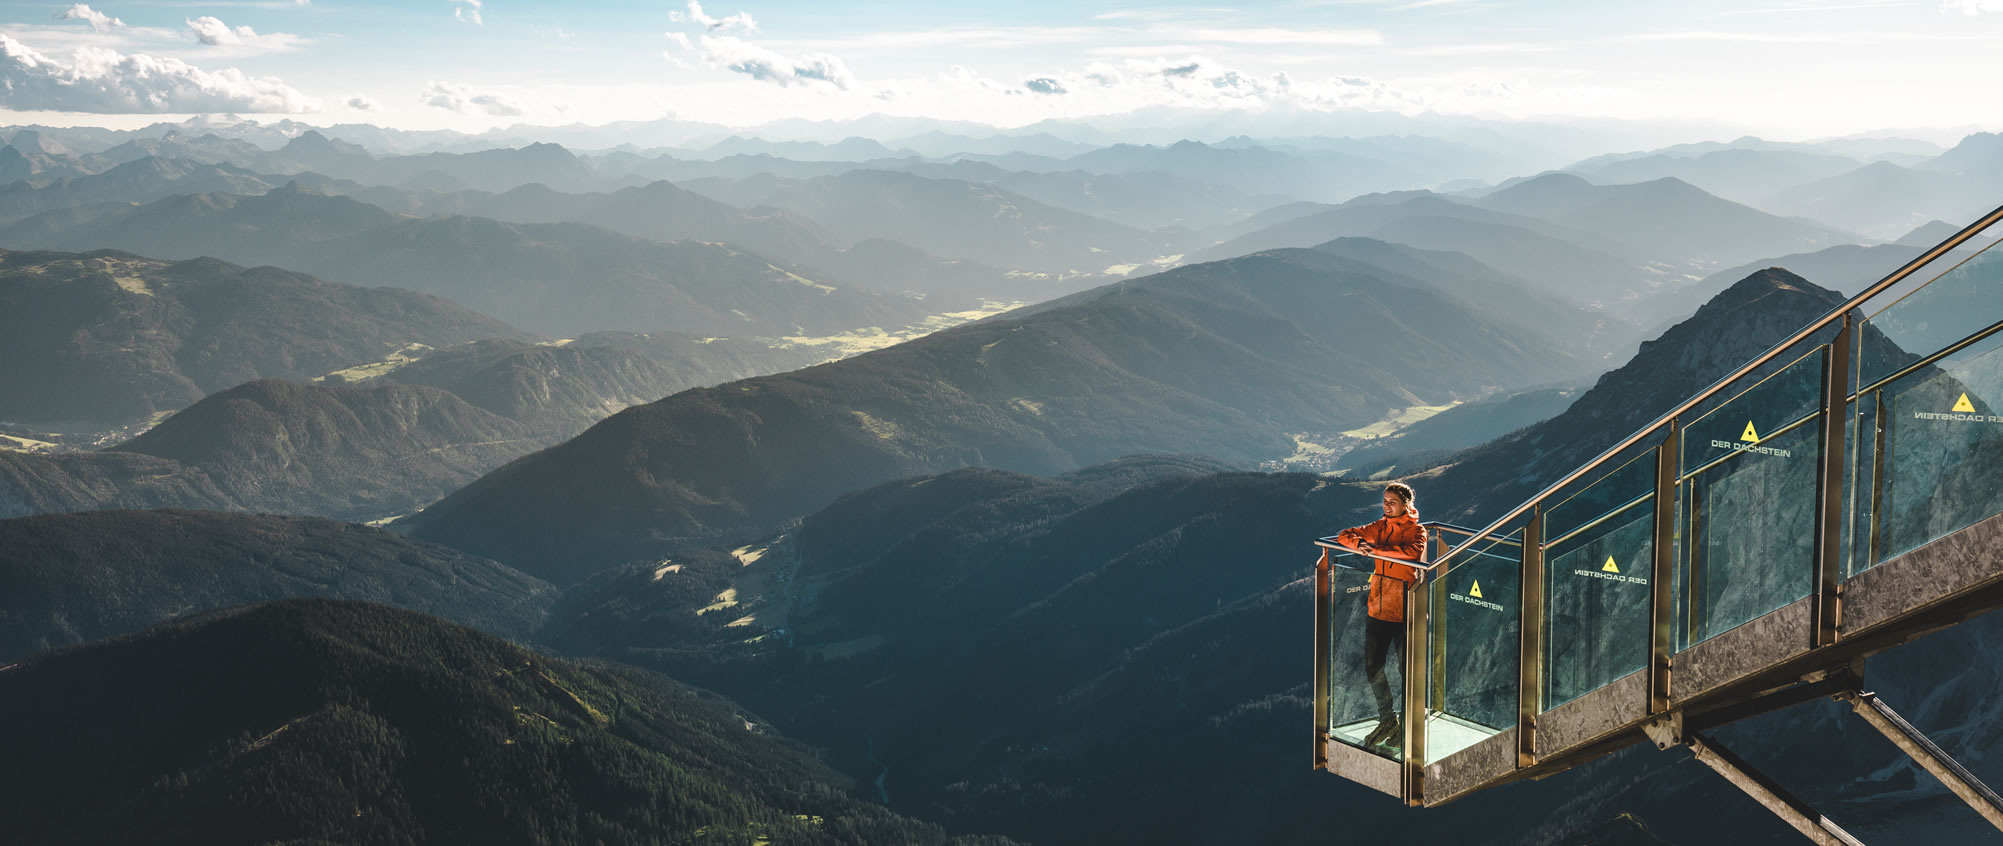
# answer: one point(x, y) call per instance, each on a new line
point(1928, 234)
point(28, 140)
point(1557, 178)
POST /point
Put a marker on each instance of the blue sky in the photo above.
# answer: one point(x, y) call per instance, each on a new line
point(1783, 68)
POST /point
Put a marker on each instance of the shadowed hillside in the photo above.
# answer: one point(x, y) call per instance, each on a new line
point(355, 723)
point(80, 577)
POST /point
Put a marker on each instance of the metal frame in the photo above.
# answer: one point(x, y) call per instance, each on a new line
point(1323, 631)
point(1662, 596)
point(1828, 617)
point(1530, 639)
point(1769, 793)
point(1417, 608)
point(1923, 752)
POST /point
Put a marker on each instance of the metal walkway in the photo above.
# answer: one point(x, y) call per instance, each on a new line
point(1839, 495)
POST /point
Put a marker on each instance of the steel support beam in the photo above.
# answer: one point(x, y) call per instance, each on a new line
point(1793, 811)
point(1828, 612)
point(1926, 754)
point(1530, 641)
point(1417, 655)
point(1323, 594)
point(1662, 600)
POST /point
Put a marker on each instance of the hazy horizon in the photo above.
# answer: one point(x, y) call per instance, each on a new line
point(1792, 70)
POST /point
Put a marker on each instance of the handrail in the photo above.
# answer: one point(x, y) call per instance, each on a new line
point(1330, 543)
point(1896, 276)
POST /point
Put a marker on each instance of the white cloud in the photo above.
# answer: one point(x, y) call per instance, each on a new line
point(465, 99)
point(1971, 7)
point(359, 102)
point(1274, 35)
point(211, 31)
point(108, 82)
point(723, 24)
point(468, 11)
point(1045, 85)
point(809, 69)
point(99, 21)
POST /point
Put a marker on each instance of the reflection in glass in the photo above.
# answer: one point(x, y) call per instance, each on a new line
point(1943, 443)
point(1742, 423)
point(1957, 304)
point(1751, 533)
point(1598, 605)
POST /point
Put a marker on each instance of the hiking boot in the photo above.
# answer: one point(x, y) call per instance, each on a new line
point(1387, 727)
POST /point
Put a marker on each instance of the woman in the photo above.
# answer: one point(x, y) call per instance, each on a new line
point(1397, 535)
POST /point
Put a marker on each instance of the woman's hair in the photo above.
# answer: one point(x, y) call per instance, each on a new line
point(1404, 492)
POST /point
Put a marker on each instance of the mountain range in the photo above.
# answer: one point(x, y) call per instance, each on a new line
point(1010, 577)
point(561, 279)
point(1229, 359)
point(104, 338)
point(957, 219)
point(358, 453)
point(1564, 262)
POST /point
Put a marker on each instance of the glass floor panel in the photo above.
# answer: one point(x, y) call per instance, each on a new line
point(1354, 733)
point(1445, 735)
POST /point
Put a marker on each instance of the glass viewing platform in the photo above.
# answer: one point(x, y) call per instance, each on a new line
point(1834, 497)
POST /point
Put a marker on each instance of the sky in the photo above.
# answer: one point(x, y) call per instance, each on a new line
point(1785, 69)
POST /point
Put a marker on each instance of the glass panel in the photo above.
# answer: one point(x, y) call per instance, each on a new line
point(1750, 533)
point(1745, 421)
point(1475, 647)
point(1861, 437)
point(1942, 467)
point(1596, 582)
point(1622, 486)
point(1957, 304)
point(1353, 694)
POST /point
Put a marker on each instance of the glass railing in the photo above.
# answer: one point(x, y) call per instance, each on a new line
point(1761, 513)
point(1746, 504)
point(1597, 565)
point(1930, 421)
point(1473, 643)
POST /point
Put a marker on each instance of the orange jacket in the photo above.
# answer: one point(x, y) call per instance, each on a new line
point(1391, 537)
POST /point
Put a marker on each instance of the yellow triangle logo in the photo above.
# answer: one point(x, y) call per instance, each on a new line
point(1964, 404)
point(1610, 567)
point(1750, 434)
point(1475, 591)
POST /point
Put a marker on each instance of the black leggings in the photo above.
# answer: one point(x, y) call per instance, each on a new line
point(1378, 636)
